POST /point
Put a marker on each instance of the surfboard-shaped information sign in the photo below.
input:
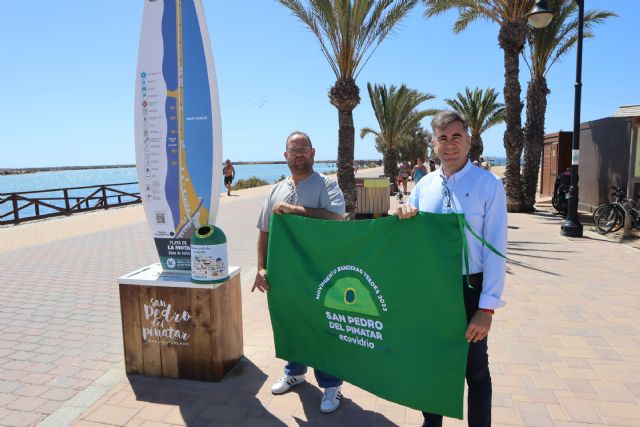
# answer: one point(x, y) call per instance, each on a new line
point(177, 126)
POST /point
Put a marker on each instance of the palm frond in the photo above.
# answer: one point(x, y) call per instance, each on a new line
point(469, 10)
point(481, 107)
point(366, 131)
point(308, 17)
point(548, 45)
point(397, 113)
point(379, 27)
point(349, 31)
point(496, 118)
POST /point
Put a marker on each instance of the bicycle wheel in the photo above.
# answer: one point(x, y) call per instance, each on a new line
point(619, 220)
point(606, 217)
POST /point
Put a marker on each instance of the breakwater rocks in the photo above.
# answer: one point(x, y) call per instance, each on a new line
point(19, 171)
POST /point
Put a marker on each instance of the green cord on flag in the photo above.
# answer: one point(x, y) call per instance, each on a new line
point(484, 242)
point(462, 222)
point(465, 249)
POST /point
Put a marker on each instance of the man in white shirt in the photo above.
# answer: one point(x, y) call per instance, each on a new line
point(460, 187)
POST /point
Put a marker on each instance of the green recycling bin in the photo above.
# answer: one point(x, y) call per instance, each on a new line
point(209, 258)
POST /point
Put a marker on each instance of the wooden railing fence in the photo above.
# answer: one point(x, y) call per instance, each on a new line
point(63, 203)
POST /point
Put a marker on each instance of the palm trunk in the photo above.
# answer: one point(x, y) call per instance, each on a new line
point(534, 139)
point(476, 148)
point(346, 174)
point(511, 39)
point(390, 159)
point(345, 96)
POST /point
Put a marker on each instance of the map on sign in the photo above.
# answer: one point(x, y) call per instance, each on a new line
point(177, 126)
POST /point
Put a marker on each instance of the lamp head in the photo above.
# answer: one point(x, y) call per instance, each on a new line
point(540, 16)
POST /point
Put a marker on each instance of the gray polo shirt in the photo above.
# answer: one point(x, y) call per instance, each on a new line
point(315, 191)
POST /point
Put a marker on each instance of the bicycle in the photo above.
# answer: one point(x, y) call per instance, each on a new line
point(610, 216)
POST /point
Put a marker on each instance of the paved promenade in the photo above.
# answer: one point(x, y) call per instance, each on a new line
point(565, 351)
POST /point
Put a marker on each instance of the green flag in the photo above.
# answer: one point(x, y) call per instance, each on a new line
point(377, 303)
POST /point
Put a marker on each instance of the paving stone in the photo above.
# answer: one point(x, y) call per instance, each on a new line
point(34, 378)
point(9, 386)
point(20, 355)
point(20, 418)
point(534, 414)
point(59, 394)
point(11, 375)
point(26, 404)
point(5, 398)
point(31, 390)
point(580, 410)
point(109, 414)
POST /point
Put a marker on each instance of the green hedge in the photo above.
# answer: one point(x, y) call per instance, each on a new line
point(250, 183)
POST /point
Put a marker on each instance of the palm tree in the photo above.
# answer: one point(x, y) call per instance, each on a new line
point(511, 16)
point(349, 31)
point(482, 111)
point(546, 46)
point(397, 115)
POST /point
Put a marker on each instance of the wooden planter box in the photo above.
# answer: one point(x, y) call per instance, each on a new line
point(373, 196)
point(176, 329)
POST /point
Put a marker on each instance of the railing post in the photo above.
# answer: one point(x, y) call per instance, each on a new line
point(37, 207)
point(16, 214)
point(66, 201)
point(104, 197)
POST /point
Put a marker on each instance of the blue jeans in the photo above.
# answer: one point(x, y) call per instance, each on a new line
point(478, 376)
point(324, 380)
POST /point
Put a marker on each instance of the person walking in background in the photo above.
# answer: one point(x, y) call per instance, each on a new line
point(305, 193)
point(403, 175)
point(229, 173)
point(419, 170)
point(432, 166)
point(459, 187)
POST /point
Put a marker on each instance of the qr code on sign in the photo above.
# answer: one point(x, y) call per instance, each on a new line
point(160, 218)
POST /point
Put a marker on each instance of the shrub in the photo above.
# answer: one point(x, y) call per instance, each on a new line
point(254, 181)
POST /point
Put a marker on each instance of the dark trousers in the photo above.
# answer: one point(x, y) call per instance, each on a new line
point(478, 377)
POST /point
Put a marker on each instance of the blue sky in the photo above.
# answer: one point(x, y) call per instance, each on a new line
point(68, 75)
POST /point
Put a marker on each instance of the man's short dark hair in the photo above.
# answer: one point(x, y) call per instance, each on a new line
point(445, 117)
point(297, 132)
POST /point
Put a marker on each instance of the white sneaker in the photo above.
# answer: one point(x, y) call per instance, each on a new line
point(330, 400)
point(285, 383)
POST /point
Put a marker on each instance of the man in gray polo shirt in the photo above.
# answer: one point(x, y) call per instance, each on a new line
point(305, 193)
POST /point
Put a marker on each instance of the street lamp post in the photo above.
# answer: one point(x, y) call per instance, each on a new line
point(571, 226)
point(539, 17)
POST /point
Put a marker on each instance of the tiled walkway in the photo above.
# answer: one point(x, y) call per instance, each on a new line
point(565, 351)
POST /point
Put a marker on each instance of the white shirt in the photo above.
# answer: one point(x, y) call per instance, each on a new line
point(479, 195)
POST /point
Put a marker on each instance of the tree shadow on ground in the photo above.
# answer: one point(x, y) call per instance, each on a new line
point(349, 414)
point(231, 401)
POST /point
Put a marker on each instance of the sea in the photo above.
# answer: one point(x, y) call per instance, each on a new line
point(270, 172)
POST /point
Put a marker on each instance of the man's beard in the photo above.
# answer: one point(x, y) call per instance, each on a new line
point(301, 166)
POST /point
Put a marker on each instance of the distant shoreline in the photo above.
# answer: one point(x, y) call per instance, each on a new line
point(18, 171)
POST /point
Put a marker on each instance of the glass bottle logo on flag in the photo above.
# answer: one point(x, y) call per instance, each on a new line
point(344, 290)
